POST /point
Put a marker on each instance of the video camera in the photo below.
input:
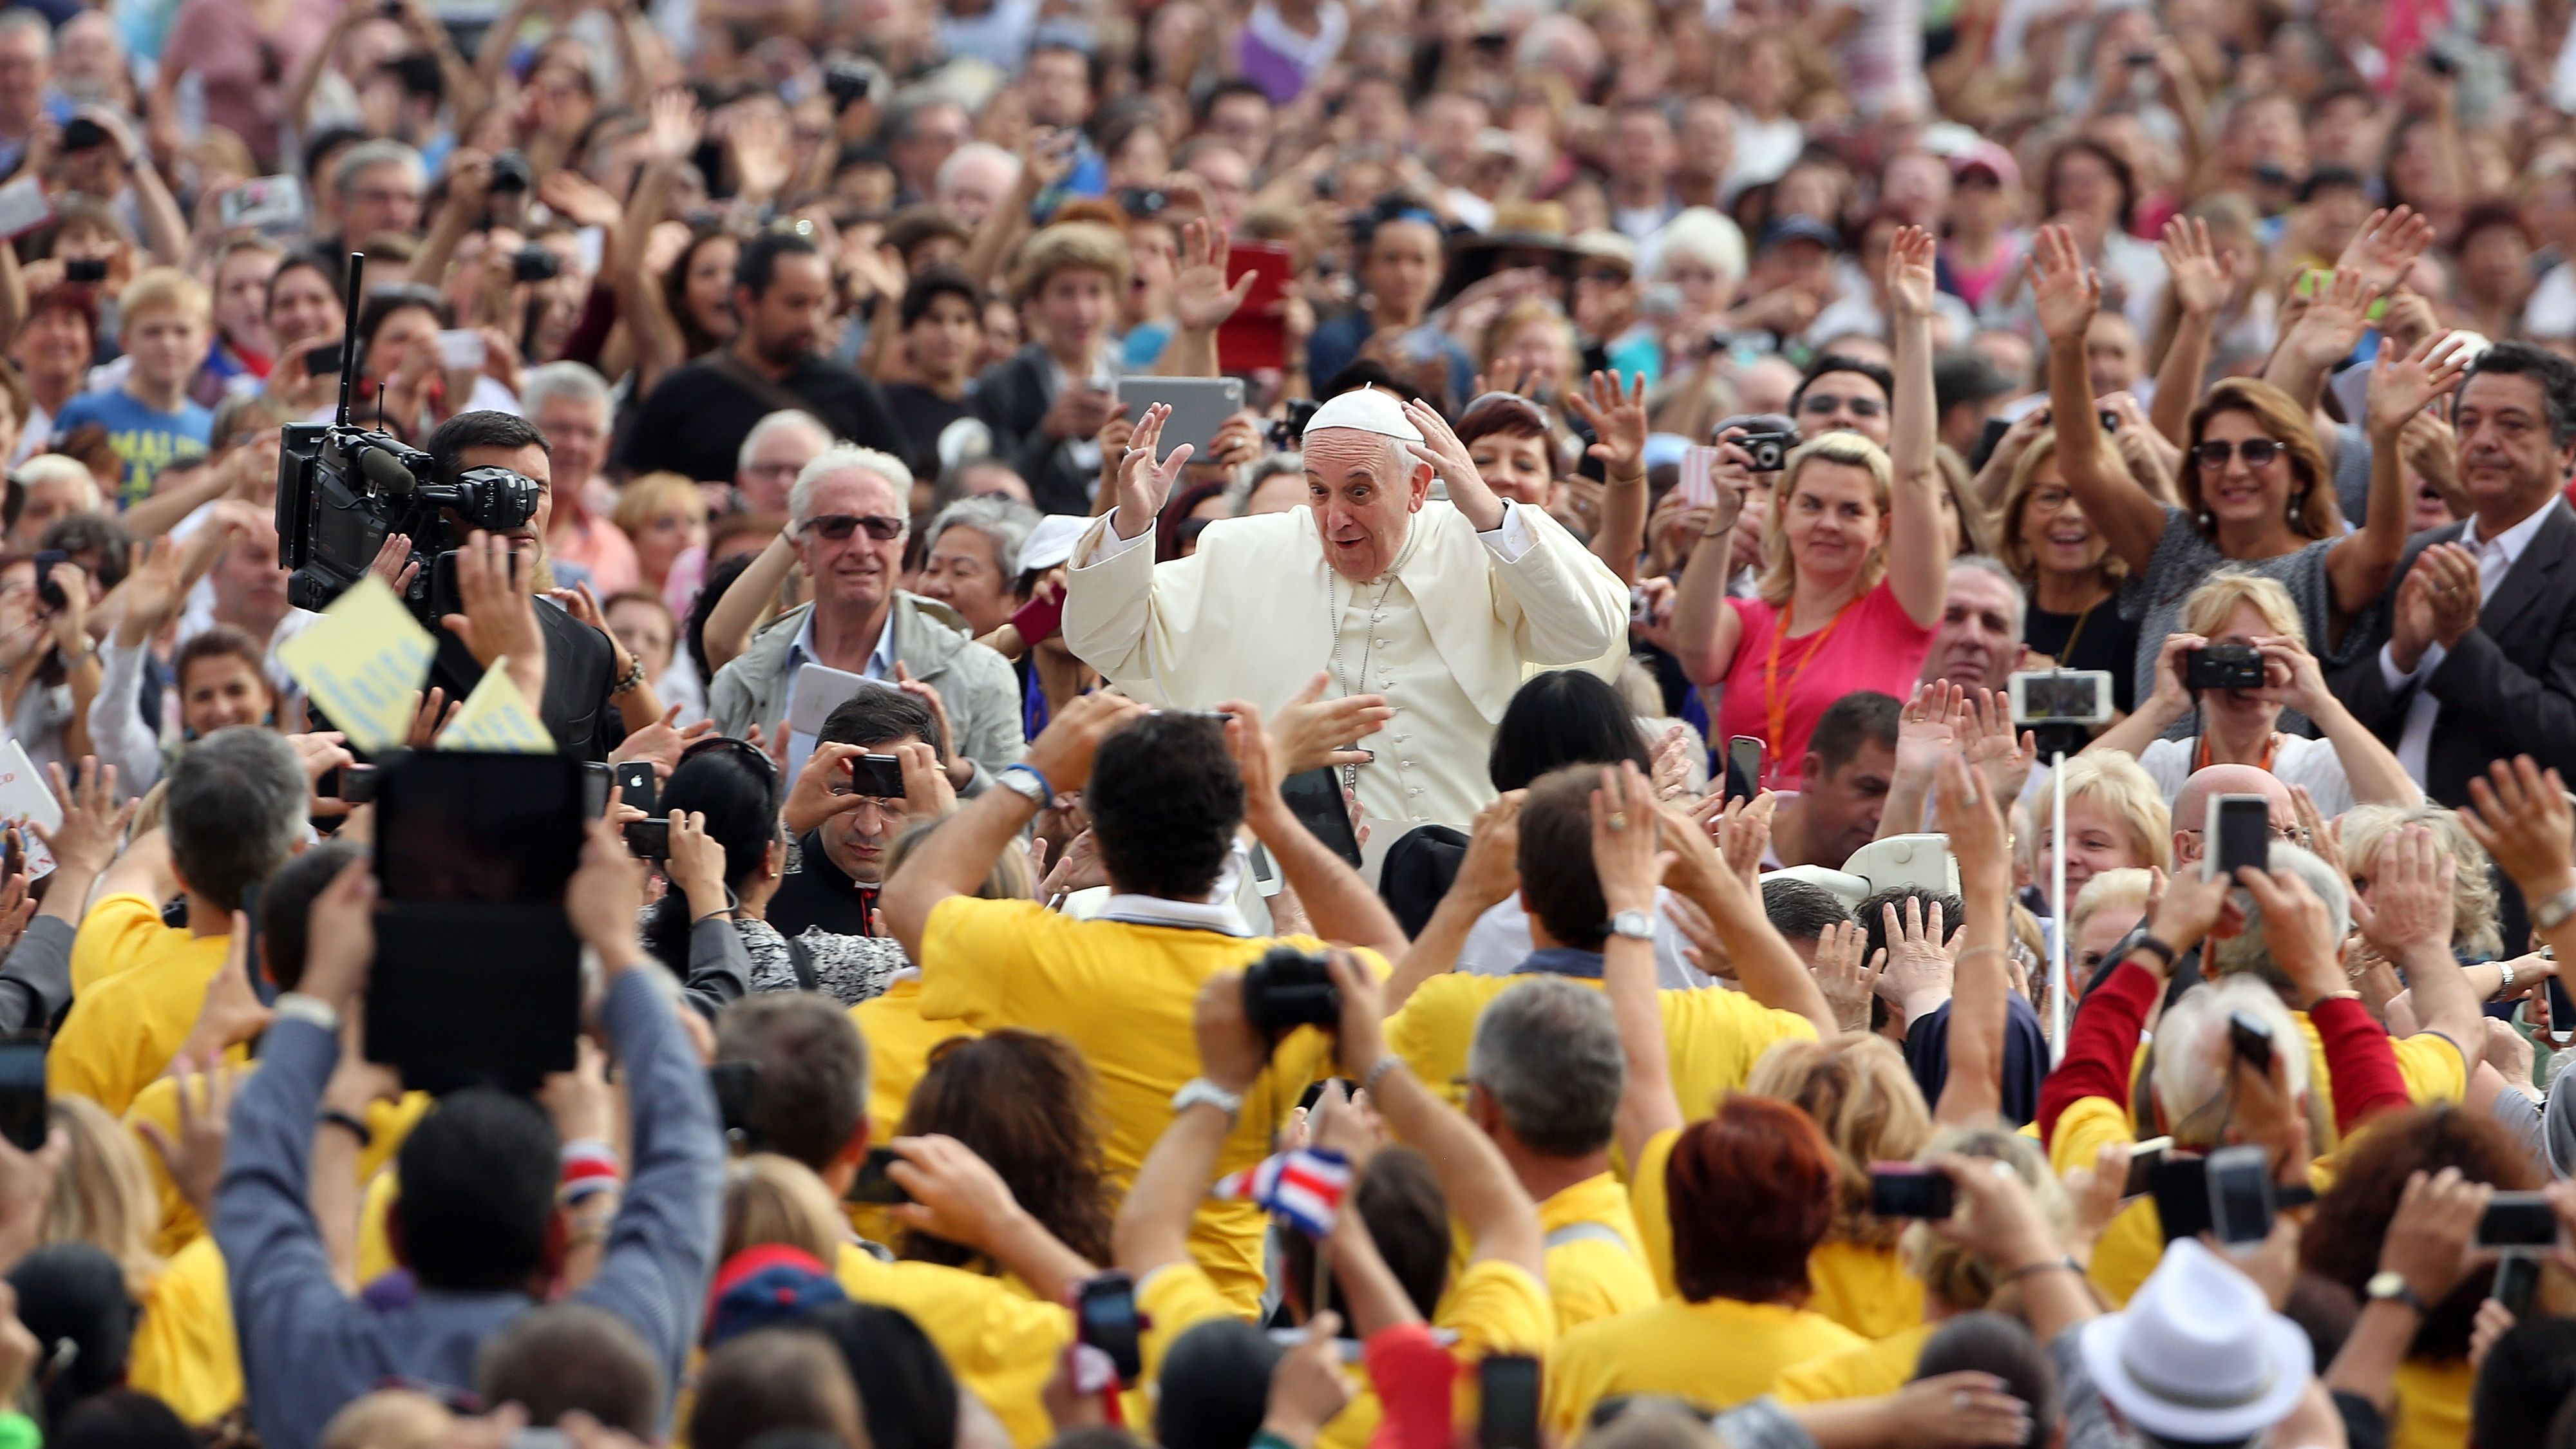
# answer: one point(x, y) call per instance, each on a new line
point(341, 490)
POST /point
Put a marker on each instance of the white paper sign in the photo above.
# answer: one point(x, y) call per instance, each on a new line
point(25, 794)
point(817, 692)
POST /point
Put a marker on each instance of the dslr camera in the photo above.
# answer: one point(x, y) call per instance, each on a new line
point(1288, 988)
point(341, 490)
point(2223, 666)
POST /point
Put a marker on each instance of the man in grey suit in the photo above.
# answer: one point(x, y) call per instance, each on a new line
point(2477, 660)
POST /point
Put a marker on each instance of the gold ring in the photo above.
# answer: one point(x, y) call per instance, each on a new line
point(1618, 820)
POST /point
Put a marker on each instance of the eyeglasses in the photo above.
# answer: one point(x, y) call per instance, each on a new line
point(1601, 276)
point(2215, 452)
point(2286, 834)
point(1817, 404)
point(838, 526)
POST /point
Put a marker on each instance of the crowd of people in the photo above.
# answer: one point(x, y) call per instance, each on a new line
point(1319, 726)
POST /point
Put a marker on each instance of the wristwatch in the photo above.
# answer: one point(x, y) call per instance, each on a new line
point(2504, 977)
point(2391, 1287)
point(2551, 912)
point(1635, 925)
point(1200, 1089)
point(1025, 782)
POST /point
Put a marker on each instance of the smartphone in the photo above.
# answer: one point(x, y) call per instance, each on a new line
point(478, 972)
point(873, 1183)
point(2517, 1220)
point(23, 207)
point(2240, 1194)
point(49, 593)
point(1315, 798)
point(2250, 1037)
point(2562, 1012)
point(737, 1087)
point(2238, 834)
point(2180, 1186)
point(24, 1118)
point(1906, 1190)
point(322, 360)
point(1104, 1316)
point(648, 839)
point(1507, 1385)
point(596, 783)
point(356, 784)
point(264, 204)
point(85, 269)
point(878, 775)
point(2144, 1158)
point(461, 349)
point(1254, 337)
point(1200, 406)
point(2060, 696)
point(1743, 768)
point(535, 264)
point(2517, 1277)
point(635, 785)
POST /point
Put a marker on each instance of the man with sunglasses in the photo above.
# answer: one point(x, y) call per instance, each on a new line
point(848, 516)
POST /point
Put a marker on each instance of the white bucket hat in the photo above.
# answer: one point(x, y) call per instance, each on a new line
point(2199, 1354)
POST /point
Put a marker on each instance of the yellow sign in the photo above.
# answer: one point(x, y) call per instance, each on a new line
point(360, 664)
point(496, 719)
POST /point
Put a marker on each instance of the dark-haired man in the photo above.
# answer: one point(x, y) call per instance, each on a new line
point(943, 333)
point(477, 1222)
point(2476, 655)
point(1851, 758)
point(695, 419)
point(841, 833)
point(1166, 793)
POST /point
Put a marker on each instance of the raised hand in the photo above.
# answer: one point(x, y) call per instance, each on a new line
point(2296, 930)
point(2332, 325)
point(2401, 387)
point(93, 823)
point(1617, 417)
point(1448, 458)
point(2385, 247)
point(1311, 732)
point(2411, 905)
point(1491, 871)
point(1624, 839)
point(1201, 300)
point(2202, 277)
point(677, 125)
point(1923, 727)
point(1911, 283)
point(1848, 984)
point(2065, 291)
point(2520, 815)
point(1144, 481)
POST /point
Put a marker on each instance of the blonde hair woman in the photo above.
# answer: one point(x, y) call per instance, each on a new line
point(2116, 819)
point(2068, 571)
point(1855, 564)
point(2475, 935)
point(104, 1195)
point(774, 1199)
point(2242, 609)
point(665, 517)
point(1859, 1090)
point(2107, 909)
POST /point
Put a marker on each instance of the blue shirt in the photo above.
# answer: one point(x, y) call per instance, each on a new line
point(146, 438)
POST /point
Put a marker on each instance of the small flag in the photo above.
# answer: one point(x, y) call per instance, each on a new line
point(1304, 1186)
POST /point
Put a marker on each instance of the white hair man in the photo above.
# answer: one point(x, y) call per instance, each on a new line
point(847, 518)
point(774, 452)
point(569, 404)
point(1439, 607)
point(974, 179)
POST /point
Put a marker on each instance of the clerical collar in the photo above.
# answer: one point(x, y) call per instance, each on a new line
point(1561, 961)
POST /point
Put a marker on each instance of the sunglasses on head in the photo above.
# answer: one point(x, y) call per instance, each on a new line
point(1821, 403)
point(2214, 452)
point(838, 526)
point(714, 744)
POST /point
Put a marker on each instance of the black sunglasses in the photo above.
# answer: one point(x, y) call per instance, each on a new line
point(2214, 452)
point(838, 526)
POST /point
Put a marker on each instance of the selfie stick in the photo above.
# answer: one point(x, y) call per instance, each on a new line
point(2057, 894)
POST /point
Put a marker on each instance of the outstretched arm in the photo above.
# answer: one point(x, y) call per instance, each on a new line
point(2201, 278)
point(2068, 293)
point(1918, 552)
point(2361, 563)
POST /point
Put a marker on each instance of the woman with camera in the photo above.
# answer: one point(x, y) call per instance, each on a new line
point(2238, 660)
point(1855, 567)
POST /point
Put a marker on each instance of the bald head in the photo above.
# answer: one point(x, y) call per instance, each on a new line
point(2191, 807)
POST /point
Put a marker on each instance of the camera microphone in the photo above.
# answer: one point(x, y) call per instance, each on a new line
point(386, 471)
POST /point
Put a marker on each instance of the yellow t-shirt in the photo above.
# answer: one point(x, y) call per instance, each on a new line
point(899, 1047)
point(128, 1023)
point(1001, 1344)
point(1493, 1307)
point(158, 1104)
point(1588, 1275)
point(1125, 996)
point(1712, 1038)
point(1866, 1289)
point(1881, 1366)
point(184, 1352)
point(2432, 1409)
point(1719, 1353)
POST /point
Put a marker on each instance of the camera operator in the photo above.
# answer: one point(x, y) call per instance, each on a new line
point(584, 685)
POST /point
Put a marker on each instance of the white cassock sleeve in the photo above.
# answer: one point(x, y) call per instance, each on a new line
point(1562, 604)
point(1116, 601)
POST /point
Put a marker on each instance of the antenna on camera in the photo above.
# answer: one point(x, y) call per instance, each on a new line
point(349, 332)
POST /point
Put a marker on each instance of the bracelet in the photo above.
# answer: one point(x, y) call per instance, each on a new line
point(1034, 773)
point(2504, 982)
point(351, 1124)
point(631, 680)
point(2067, 1265)
point(1383, 1065)
point(589, 1168)
point(2156, 948)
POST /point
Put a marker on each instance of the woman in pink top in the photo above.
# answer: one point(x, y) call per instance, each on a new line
point(1855, 566)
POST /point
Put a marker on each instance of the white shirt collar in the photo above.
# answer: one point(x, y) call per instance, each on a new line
point(2513, 540)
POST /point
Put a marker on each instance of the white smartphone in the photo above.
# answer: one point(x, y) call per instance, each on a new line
point(1200, 406)
point(2060, 696)
point(461, 350)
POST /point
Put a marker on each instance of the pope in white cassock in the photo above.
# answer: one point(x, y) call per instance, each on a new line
point(1439, 607)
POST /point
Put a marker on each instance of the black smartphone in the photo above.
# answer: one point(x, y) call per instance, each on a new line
point(878, 775)
point(1743, 768)
point(596, 782)
point(648, 839)
point(1315, 798)
point(49, 593)
point(737, 1087)
point(1508, 1384)
point(1905, 1190)
point(2144, 1158)
point(874, 1184)
point(478, 970)
point(2517, 1220)
point(2237, 834)
point(2251, 1039)
point(357, 784)
point(2240, 1194)
point(2180, 1185)
point(85, 269)
point(636, 786)
point(322, 360)
point(2517, 1278)
point(535, 264)
point(24, 1118)
point(1104, 1316)
point(2562, 1012)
